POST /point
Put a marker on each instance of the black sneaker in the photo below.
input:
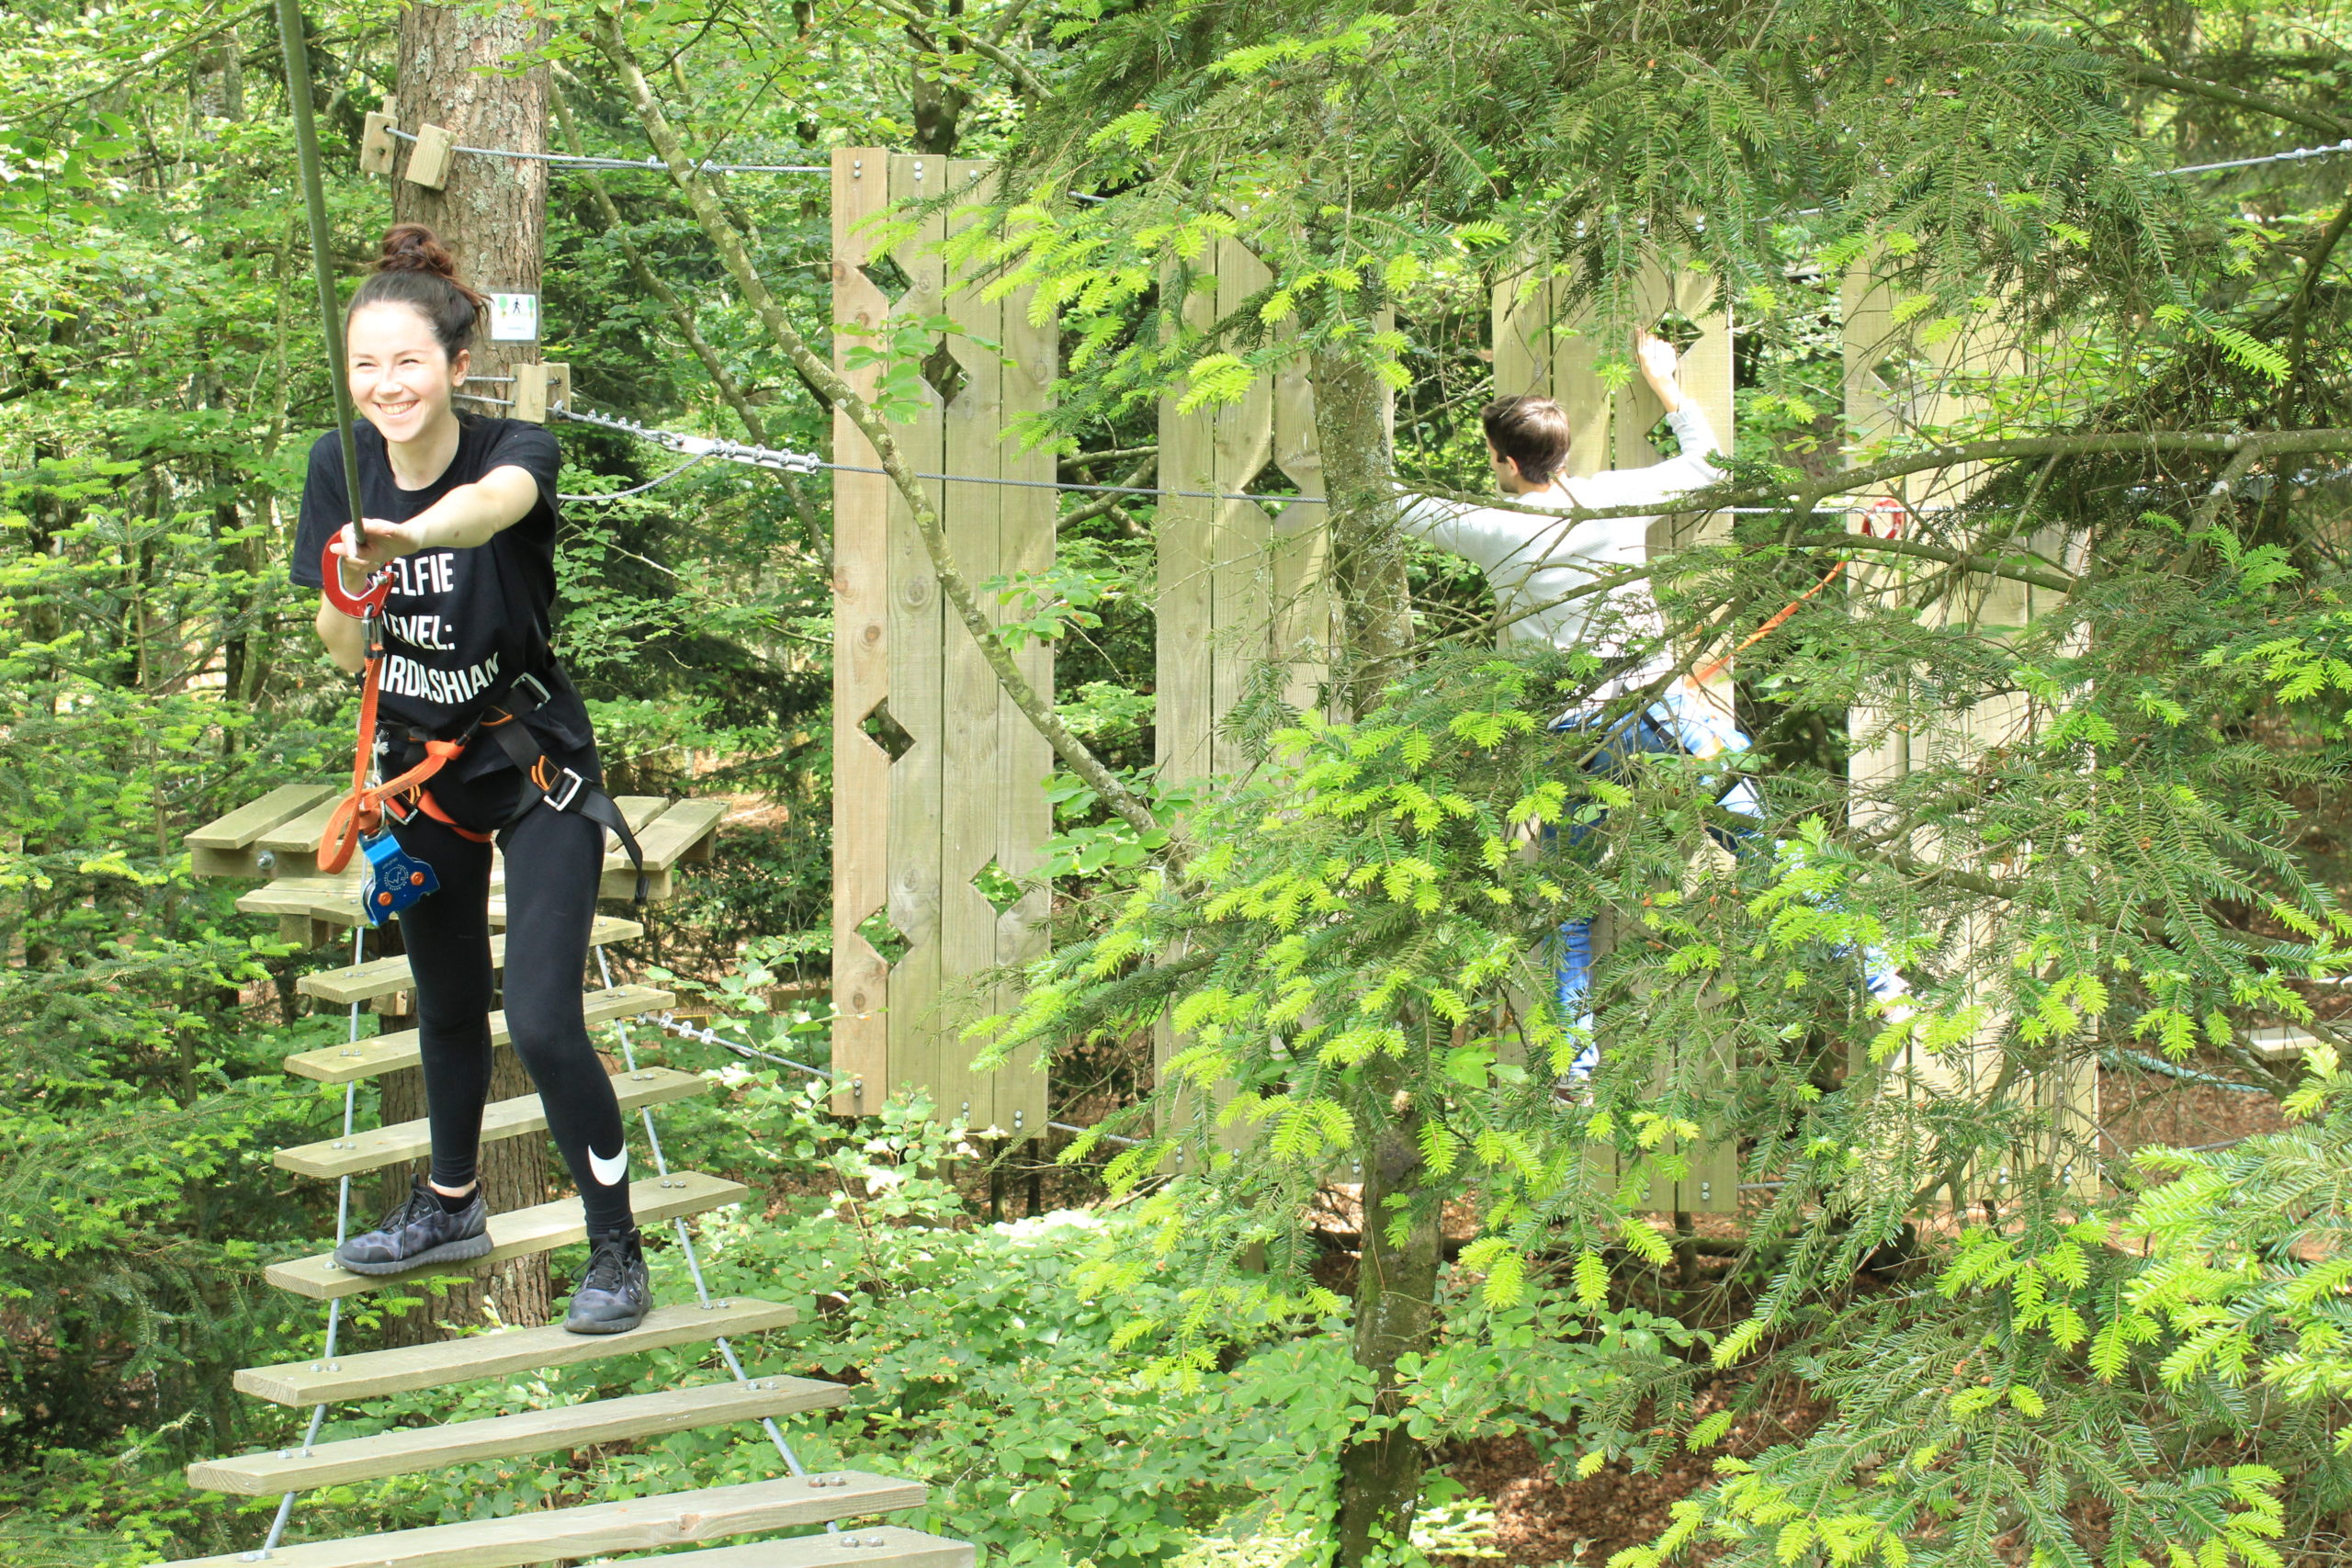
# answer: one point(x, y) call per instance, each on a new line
point(614, 1294)
point(417, 1233)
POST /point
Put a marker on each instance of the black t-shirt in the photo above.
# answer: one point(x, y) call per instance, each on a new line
point(460, 624)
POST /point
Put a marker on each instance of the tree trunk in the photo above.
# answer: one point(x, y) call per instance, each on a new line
point(491, 213)
point(1380, 1474)
point(1367, 551)
point(937, 103)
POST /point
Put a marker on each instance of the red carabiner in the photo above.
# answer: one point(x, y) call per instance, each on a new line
point(368, 600)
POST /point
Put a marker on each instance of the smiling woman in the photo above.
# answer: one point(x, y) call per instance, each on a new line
point(452, 537)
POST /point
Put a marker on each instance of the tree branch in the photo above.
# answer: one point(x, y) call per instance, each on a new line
point(681, 315)
point(1031, 86)
point(729, 240)
point(2155, 75)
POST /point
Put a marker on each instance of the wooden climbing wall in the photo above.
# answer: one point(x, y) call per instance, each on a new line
point(1243, 598)
point(1543, 344)
point(1244, 605)
point(1901, 378)
point(938, 803)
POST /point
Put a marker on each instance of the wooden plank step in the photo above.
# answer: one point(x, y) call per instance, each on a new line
point(680, 828)
point(406, 1449)
point(2280, 1043)
point(892, 1544)
point(228, 846)
point(313, 896)
point(670, 837)
point(379, 1146)
point(336, 898)
point(641, 1524)
point(390, 1052)
point(372, 1374)
point(383, 976)
point(293, 844)
point(518, 1235)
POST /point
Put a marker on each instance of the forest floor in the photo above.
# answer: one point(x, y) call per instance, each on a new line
point(1543, 1515)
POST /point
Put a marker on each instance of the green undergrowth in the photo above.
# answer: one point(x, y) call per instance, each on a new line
point(979, 1363)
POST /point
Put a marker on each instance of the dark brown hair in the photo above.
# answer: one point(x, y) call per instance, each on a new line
point(1530, 431)
point(417, 270)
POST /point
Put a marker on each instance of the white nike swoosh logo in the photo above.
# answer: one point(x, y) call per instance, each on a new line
point(612, 1171)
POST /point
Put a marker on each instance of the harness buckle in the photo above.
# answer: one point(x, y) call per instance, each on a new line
point(537, 688)
point(566, 790)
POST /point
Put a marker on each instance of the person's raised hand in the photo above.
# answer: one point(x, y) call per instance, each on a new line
point(1657, 357)
point(376, 545)
point(1659, 360)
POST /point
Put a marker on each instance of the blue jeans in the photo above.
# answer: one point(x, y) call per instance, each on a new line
point(1681, 722)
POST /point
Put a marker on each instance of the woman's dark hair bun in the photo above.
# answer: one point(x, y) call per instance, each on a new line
point(415, 268)
point(413, 247)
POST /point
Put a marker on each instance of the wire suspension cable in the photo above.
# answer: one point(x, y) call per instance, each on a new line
point(2296, 155)
point(580, 161)
point(314, 203)
point(640, 490)
point(655, 164)
point(685, 1240)
point(669, 1023)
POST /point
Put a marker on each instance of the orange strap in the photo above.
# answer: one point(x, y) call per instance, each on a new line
point(1894, 524)
point(431, 808)
point(360, 813)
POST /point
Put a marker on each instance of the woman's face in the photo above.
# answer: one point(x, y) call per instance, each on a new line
point(399, 378)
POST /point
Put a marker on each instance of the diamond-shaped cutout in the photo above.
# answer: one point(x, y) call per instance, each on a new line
point(1679, 330)
point(886, 731)
point(992, 883)
point(885, 274)
point(1272, 481)
point(939, 368)
point(888, 943)
point(1662, 439)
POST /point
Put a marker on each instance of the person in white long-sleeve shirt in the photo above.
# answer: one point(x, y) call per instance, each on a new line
point(1532, 562)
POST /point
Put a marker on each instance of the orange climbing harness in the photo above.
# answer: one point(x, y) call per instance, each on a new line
point(359, 816)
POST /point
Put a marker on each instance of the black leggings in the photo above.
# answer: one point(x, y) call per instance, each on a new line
point(554, 860)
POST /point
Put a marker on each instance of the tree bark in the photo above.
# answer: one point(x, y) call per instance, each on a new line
point(1367, 550)
point(491, 213)
point(1396, 1314)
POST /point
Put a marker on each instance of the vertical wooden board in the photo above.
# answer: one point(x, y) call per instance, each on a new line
point(861, 655)
point(970, 757)
point(1944, 383)
point(1609, 430)
point(916, 642)
point(1239, 600)
point(1299, 546)
point(1522, 340)
point(1183, 692)
point(1025, 534)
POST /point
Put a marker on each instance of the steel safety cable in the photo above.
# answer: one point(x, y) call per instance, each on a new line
point(580, 160)
point(653, 163)
point(669, 1023)
point(296, 52)
point(685, 1241)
